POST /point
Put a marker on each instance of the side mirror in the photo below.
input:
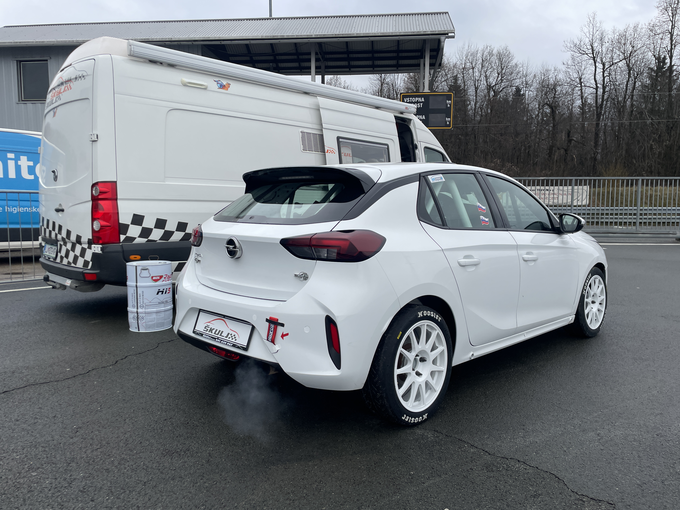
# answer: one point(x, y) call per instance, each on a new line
point(570, 223)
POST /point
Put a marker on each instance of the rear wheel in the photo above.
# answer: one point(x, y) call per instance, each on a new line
point(592, 306)
point(411, 368)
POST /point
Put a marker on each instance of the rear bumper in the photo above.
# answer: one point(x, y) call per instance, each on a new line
point(108, 265)
point(361, 303)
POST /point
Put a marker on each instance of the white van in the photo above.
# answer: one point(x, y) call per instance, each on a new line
point(142, 143)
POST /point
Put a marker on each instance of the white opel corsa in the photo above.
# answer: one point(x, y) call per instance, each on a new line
point(382, 277)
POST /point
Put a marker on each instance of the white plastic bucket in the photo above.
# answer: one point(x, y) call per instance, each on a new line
point(149, 285)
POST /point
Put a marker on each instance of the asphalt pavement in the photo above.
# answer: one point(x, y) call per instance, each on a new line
point(93, 415)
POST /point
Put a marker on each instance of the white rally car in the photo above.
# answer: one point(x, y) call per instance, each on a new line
point(382, 277)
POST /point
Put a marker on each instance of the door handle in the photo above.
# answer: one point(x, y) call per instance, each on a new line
point(529, 257)
point(468, 261)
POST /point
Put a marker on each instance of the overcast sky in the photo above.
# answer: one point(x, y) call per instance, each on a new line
point(534, 30)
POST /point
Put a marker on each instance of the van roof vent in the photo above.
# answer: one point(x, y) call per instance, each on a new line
point(312, 142)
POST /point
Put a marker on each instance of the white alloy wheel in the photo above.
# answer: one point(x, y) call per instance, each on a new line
point(592, 305)
point(420, 366)
point(411, 368)
point(595, 301)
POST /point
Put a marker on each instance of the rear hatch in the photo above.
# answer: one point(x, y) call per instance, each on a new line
point(241, 251)
point(66, 154)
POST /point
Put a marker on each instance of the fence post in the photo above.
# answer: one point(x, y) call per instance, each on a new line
point(639, 197)
point(573, 189)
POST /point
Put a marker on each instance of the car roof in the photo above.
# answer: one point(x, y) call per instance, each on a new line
point(385, 172)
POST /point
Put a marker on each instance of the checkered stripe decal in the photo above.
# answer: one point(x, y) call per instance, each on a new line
point(143, 229)
point(72, 250)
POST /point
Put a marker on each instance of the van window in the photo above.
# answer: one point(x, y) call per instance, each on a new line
point(357, 151)
point(433, 156)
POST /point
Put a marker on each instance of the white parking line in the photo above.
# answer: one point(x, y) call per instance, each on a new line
point(639, 244)
point(28, 288)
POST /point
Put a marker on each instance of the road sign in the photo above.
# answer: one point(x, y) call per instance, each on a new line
point(434, 109)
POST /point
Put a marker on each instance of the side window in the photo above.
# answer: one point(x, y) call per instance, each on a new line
point(523, 211)
point(460, 200)
point(433, 156)
point(427, 209)
point(357, 151)
point(34, 80)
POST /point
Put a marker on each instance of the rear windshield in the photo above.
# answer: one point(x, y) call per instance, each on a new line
point(294, 203)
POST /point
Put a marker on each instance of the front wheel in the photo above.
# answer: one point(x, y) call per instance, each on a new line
point(412, 367)
point(593, 305)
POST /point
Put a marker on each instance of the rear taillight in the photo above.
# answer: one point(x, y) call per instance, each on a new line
point(197, 236)
point(352, 246)
point(105, 228)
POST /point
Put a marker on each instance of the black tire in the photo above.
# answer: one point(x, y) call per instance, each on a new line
point(592, 305)
point(414, 394)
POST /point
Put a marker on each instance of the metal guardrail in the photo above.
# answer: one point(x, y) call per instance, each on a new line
point(621, 205)
point(614, 205)
point(19, 231)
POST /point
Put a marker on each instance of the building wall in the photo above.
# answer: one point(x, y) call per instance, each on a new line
point(15, 114)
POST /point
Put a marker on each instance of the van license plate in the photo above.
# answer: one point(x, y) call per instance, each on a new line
point(50, 251)
point(223, 330)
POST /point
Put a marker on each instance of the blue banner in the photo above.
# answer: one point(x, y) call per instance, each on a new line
point(19, 160)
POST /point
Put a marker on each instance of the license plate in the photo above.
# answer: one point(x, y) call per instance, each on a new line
point(50, 251)
point(223, 330)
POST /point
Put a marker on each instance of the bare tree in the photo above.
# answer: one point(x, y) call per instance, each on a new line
point(666, 27)
point(386, 85)
point(609, 110)
point(339, 82)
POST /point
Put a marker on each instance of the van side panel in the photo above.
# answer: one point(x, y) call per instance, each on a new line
point(182, 150)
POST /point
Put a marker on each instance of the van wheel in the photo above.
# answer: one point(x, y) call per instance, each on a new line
point(592, 306)
point(411, 368)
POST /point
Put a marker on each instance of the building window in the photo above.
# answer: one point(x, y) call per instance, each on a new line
point(34, 80)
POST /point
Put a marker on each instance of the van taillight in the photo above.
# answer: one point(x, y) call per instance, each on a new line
point(351, 246)
point(105, 228)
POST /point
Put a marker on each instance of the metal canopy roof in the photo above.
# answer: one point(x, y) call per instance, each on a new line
point(363, 44)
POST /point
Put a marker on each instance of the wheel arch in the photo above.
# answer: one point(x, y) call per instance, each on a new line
point(602, 268)
point(442, 308)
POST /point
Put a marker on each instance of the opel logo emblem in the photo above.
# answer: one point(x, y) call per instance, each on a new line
point(234, 248)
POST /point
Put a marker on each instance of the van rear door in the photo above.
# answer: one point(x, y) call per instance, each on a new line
point(66, 154)
point(66, 157)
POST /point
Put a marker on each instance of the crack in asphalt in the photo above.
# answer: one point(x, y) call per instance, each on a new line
point(4, 392)
point(479, 448)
